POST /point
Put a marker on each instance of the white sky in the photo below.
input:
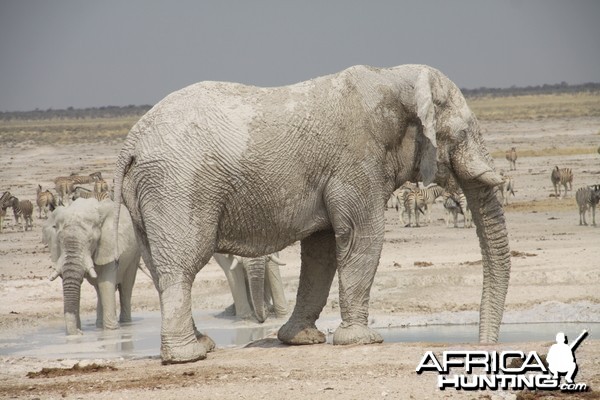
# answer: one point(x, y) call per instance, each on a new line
point(90, 53)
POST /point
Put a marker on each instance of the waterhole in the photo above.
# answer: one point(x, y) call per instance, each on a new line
point(141, 337)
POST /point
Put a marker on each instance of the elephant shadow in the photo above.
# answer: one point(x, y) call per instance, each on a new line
point(266, 343)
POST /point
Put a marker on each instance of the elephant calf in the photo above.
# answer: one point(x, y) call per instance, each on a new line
point(82, 244)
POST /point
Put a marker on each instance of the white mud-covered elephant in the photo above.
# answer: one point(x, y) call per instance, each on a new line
point(224, 167)
point(255, 284)
point(81, 239)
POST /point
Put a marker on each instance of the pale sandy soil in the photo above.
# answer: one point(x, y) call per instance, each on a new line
point(555, 277)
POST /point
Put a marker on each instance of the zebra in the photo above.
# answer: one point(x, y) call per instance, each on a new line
point(100, 186)
point(587, 198)
point(430, 194)
point(561, 176)
point(22, 208)
point(393, 200)
point(65, 185)
point(456, 203)
point(506, 188)
point(414, 201)
point(81, 192)
point(85, 179)
point(3, 206)
point(511, 157)
point(398, 197)
point(45, 201)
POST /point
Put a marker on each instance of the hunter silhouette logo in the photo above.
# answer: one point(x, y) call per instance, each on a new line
point(561, 359)
point(508, 369)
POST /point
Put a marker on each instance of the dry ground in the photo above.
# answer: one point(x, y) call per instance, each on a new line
point(429, 275)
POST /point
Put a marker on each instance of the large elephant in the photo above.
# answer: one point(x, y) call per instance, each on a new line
point(224, 167)
point(254, 282)
point(82, 244)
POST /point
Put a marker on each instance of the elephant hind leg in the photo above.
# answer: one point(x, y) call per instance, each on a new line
point(316, 274)
point(177, 249)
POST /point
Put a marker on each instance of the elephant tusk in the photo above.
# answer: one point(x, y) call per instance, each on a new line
point(92, 273)
point(276, 259)
point(235, 263)
point(54, 274)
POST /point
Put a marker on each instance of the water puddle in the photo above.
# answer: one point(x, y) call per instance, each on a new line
point(509, 333)
point(141, 338)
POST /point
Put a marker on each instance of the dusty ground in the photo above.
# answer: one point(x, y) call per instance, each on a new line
point(555, 277)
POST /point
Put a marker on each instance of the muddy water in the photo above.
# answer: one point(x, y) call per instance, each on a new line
point(141, 338)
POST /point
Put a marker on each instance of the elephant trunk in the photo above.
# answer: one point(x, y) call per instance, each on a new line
point(255, 269)
point(72, 279)
point(488, 216)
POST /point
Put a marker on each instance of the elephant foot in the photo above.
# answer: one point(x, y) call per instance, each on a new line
point(179, 353)
point(298, 334)
point(109, 326)
point(205, 340)
point(355, 334)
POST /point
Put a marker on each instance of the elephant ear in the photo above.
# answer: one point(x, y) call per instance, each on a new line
point(50, 235)
point(105, 248)
point(426, 114)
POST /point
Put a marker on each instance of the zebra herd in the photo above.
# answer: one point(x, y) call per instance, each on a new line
point(66, 191)
point(411, 199)
point(587, 197)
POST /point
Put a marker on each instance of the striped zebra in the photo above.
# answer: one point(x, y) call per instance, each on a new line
point(561, 176)
point(397, 199)
point(506, 188)
point(393, 200)
point(24, 209)
point(3, 206)
point(587, 199)
point(511, 157)
point(100, 186)
point(81, 192)
point(456, 203)
point(429, 195)
point(414, 201)
point(45, 201)
point(65, 185)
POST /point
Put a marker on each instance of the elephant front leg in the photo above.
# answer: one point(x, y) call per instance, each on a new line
point(107, 306)
point(358, 257)
point(178, 341)
point(275, 285)
point(316, 274)
point(358, 222)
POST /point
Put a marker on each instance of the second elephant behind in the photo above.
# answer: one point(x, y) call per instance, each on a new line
point(255, 284)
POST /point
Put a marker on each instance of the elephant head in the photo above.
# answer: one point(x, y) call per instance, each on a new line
point(454, 154)
point(79, 237)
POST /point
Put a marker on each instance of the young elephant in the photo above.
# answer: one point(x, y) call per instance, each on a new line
point(82, 242)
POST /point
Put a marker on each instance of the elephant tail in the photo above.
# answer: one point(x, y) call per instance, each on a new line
point(124, 161)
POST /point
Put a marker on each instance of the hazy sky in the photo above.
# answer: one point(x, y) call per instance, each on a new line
point(61, 53)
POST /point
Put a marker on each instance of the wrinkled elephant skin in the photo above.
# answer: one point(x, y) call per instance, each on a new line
point(229, 168)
